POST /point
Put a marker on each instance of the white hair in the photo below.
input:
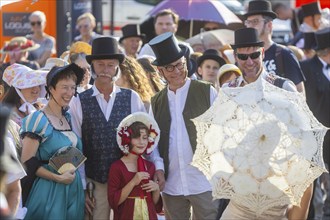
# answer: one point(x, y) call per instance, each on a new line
point(39, 14)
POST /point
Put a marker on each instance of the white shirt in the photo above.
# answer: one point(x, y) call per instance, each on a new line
point(106, 107)
point(183, 178)
point(325, 71)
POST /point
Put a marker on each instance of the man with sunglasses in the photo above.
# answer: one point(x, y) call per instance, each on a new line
point(278, 59)
point(249, 52)
point(172, 108)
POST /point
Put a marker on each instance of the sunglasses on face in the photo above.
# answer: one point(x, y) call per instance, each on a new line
point(253, 56)
point(35, 23)
point(83, 26)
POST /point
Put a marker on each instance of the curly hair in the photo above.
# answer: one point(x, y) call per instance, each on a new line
point(152, 74)
point(136, 77)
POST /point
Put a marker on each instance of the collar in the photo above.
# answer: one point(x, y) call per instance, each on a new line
point(96, 92)
point(184, 87)
point(323, 62)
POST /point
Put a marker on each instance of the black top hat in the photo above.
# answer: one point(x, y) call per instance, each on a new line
point(191, 64)
point(105, 48)
point(166, 49)
point(260, 7)
point(310, 9)
point(247, 37)
point(211, 54)
point(309, 40)
point(57, 70)
point(131, 30)
point(322, 39)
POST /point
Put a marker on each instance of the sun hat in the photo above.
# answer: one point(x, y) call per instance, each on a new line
point(123, 135)
point(81, 47)
point(22, 77)
point(21, 44)
point(228, 67)
point(54, 61)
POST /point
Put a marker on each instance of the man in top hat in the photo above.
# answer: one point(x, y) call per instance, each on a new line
point(317, 72)
point(17, 49)
point(249, 52)
point(164, 21)
point(172, 108)
point(132, 39)
point(278, 59)
point(312, 22)
point(96, 113)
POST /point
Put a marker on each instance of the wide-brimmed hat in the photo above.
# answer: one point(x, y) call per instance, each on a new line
point(312, 8)
point(226, 68)
point(54, 61)
point(56, 70)
point(247, 37)
point(322, 39)
point(21, 44)
point(105, 48)
point(211, 54)
point(260, 7)
point(81, 47)
point(166, 49)
point(22, 77)
point(131, 30)
point(309, 40)
point(123, 135)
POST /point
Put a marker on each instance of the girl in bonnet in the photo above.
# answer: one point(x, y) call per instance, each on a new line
point(131, 192)
point(27, 85)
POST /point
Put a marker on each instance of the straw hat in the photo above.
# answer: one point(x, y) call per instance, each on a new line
point(81, 47)
point(54, 61)
point(21, 44)
point(146, 119)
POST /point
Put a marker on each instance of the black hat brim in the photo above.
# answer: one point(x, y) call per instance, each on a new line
point(142, 36)
point(218, 59)
point(267, 13)
point(252, 44)
point(119, 57)
point(172, 59)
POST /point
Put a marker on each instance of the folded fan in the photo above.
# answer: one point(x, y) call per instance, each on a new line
point(67, 158)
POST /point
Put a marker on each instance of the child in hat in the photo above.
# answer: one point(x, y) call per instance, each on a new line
point(209, 64)
point(227, 73)
point(131, 192)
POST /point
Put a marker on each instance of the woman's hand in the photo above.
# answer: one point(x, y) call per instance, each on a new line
point(139, 176)
point(151, 186)
point(67, 177)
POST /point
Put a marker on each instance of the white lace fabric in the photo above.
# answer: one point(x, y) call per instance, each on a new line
point(259, 146)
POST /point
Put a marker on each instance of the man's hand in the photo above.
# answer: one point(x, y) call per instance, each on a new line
point(159, 178)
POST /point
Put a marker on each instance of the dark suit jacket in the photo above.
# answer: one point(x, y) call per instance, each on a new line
point(317, 88)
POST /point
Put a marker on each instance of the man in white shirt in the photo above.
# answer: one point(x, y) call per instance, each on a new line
point(173, 107)
point(96, 113)
point(165, 21)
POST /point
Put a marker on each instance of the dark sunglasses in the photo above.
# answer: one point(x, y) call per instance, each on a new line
point(35, 23)
point(253, 56)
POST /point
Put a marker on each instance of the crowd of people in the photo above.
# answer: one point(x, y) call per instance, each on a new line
point(127, 105)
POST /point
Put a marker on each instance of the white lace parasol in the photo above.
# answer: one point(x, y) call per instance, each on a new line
point(259, 145)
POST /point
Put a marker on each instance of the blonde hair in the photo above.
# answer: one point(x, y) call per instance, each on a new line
point(38, 14)
point(136, 77)
point(152, 73)
point(89, 16)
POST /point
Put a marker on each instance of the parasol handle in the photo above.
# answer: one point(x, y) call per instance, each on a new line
point(90, 190)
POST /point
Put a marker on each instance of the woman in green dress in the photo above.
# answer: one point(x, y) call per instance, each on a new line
point(53, 195)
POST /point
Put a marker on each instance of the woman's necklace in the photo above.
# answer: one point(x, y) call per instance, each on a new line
point(59, 118)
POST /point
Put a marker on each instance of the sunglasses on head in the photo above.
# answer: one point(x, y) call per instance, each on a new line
point(253, 56)
point(35, 23)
